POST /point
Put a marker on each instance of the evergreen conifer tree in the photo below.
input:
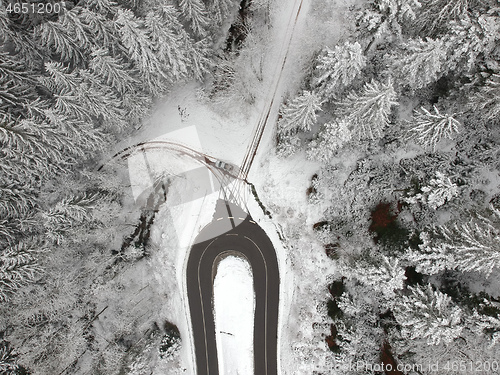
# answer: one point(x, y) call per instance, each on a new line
point(429, 315)
point(167, 45)
point(112, 71)
point(435, 16)
point(439, 191)
point(488, 324)
point(421, 62)
point(82, 96)
point(430, 128)
point(470, 40)
point(69, 213)
point(31, 142)
point(300, 113)
point(469, 247)
point(387, 18)
point(337, 68)
point(18, 267)
point(430, 258)
point(368, 112)
point(16, 85)
point(81, 139)
point(104, 7)
point(487, 98)
point(140, 49)
point(185, 52)
point(101, 32)
point(386, 277)
point(194, 11)
point(101, 101)
point(402, 10)
point(218, 10)
point(71, 22)
point(57, 41)
point(333, 136)
point(288, 145)
point(474, 246)
point(15, 199)
point(199, 62)
point(8, 363)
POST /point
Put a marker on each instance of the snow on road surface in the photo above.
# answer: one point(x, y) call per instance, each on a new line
point(234, 305)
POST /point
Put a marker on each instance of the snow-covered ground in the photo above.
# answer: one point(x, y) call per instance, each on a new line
point(234, 306)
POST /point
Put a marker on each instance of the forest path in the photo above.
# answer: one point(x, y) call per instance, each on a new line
point(270, 110)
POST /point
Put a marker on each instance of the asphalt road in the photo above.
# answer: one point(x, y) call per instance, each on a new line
point(233, 231)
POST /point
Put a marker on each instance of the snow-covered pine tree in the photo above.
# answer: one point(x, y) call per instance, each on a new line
point(12, 68)
point(300, 113)
point(18, 266)
point(81, 139)
point(15, 199)
point(471, 39)
point(435, 15)
point(420, 62)
point(219, 10)
point(429, 128)
point(194, 11)
point(31, 143)
point(358, 331)
point(332, 137)
point(33, 150)
point(474, 246)
point(140, 49)
point(194, 53)
point(138, 106)
point(439, 191)
point(470, 247)
point(337, 68)
point(60, 78)
point(402, 10)
point(20, 39)
point(104, 7)
point(8, 232)
point(82, 96)
point(487, 324)
point(101, 32)
point(102, 102)
point(68, 104)
point(167, 44)
point(429, 315)
point(21, 169)
point(111, 70)
point(487, 98)
point(16, 85)
point(288, 144)
point(21, 161)
point(71, 21)
point(198, 58)
point(387, 18)
point(69, 213)
point(385, 278)
point(4, 23)
point(53, 36)
point(8, 359)
point(368, 112)
point(430, 258)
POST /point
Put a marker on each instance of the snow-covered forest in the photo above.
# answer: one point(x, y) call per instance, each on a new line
point(382, 175)
point(73, 84)
point(401, 112)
